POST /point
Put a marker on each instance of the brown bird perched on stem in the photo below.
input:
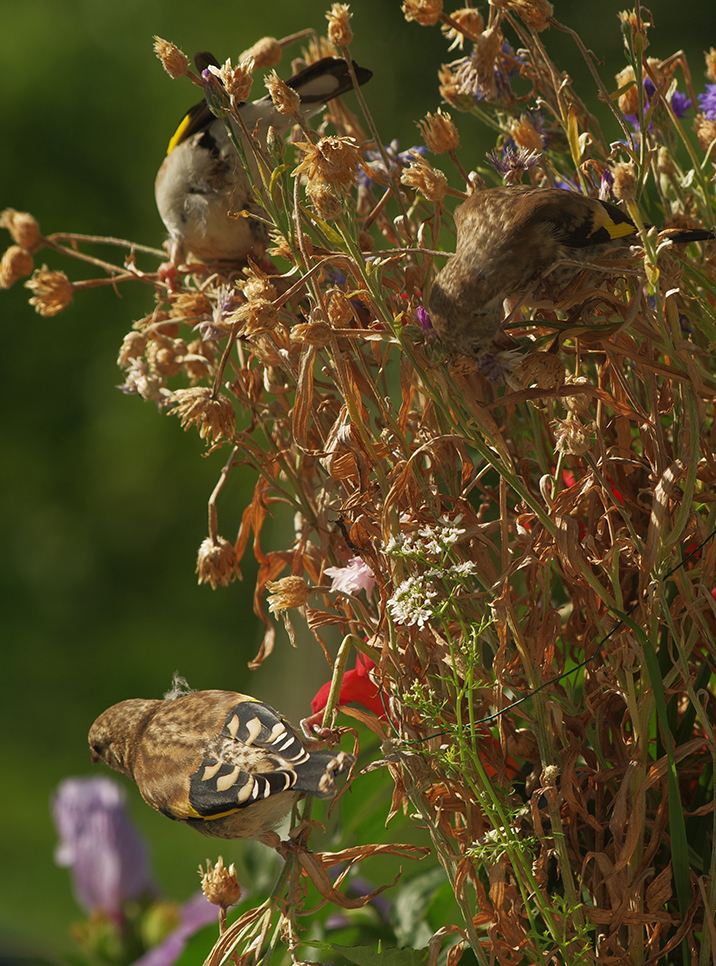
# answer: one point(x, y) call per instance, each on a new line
point(511, 240)
point(202, 186)
point(222, 762)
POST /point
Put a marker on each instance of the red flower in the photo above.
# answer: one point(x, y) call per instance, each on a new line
point(356, 688)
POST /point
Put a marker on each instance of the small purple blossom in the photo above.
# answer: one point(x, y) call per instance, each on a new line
point(707, 102)
point(98, 842)
point(605, 185)
point(196, 913)
point(352, 578)
point(425, 323)
point(512, 162)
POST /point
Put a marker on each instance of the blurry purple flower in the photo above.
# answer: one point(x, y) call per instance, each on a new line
point(196, 913)
point(707, 102)
point(680, 104)
point(512, 162)
point(98, 842)
point(605, 185)
point(425, 323)
point(352, 578)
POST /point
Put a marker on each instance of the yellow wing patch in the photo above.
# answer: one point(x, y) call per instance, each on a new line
point(179, 133)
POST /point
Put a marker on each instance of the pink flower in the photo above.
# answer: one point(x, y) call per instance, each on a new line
point(352, 578)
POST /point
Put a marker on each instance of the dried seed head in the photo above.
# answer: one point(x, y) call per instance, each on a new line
point(287, 592)
point(710, 57)
point(264, 347)
point(339, 31)
point(629, 100)
point(166, 356)
point(630, 17)
point(366, 242)
point(318, 48)
point(266, 52)
point(198, 361)
point(340, 314)
point(665, 162)
point(236, 81)
point(219, 884)
point(312, 333)
point(216, 564)
point(326, 203)
point(477, 73)
point(439, 132)
point(285, 99)
point(174, 61)
point(571, 436)
point(450, 88)
point(133, 346)
point(535, 13)
point(16, 263)
point(425, 12)
point(333, 160)
point(428, 180)
point(256, 316)
point(705, 130)
point(190, 306)
point(624, 186)
point(257, 284)
point(525, 134)
point(53, 291)
point(22, 226)
point(470, 20)
point(213, 417)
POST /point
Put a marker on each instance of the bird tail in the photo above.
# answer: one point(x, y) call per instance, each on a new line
point(317, 774)
point(683, 236)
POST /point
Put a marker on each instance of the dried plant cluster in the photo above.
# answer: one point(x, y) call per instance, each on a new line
point(538, 526)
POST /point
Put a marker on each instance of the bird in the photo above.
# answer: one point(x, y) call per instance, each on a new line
point(202, 185)
point(513, 239)
point(222, 762)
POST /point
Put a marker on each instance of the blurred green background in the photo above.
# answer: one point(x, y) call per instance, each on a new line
point(103, 499)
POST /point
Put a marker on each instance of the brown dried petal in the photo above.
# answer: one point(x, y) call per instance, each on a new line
point(219, 884)
point(333, 160)
point(285, 99)
point(133, 346)
point(339, 31)
point(425, 12)
point(535, 13)
point(439, 132)
point(53, 291)
point(287, 592)
point(213, 417)
point(430, 181)
point(266, 52)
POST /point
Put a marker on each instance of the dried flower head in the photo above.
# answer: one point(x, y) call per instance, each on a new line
point(339, 31)
point(236, 81)
point(629, 100)
point(312, 333)
point(266, 52)
point(214, 417)
point(22, 226)
point(16, 263)
point(425, 12)
point(470, 20)
point(630, 17)
point(476, 75)
point(198, 361)
point(428, 180)
point(219, 884)
point(534, 13)
point(326, 203)
point(133, 346)
point(450, 88)
point(439, 132)
point(257, 284)
point(512, 164)
point(53, 291)
point(174, 61)
point(571, 436)
point(526, 133)
point(624, 186)
point(318, 48)
point(340, 314)
point(285, 99)
point(166, 356)
point(710, 58)
point(255, 316)
point(216, 564)
point(333, 160)
point(287, 592)
point(705, 129)
point(191, 305)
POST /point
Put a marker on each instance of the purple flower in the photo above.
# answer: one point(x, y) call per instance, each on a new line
point(98, 842)
point(512, 162)
point(707, 102)
point(398, 160)
point(425, 323)
point(680, 104)
point(352, 578)
point(196, 913)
